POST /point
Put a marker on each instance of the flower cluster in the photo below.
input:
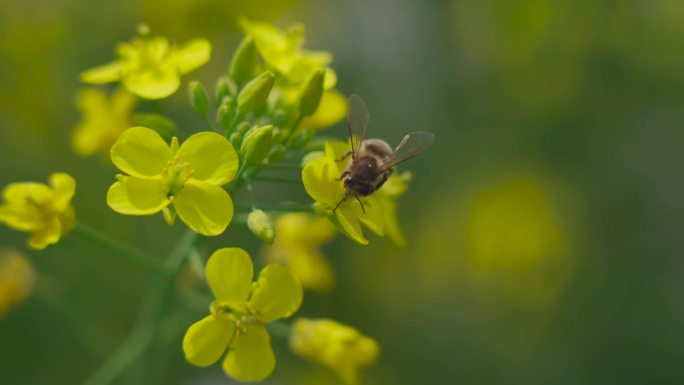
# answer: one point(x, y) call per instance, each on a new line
point(262, 117)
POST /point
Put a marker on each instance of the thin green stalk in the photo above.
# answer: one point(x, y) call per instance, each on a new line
point(290, 134)
point(145, 333)
point(121, 249)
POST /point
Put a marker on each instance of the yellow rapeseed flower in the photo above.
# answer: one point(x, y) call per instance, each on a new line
point(150, 67)
point(283, 53)
point(321, 181)
point(186, 180)
point(297, 242)
point(104, 119)
point(16, 279)
point(331, 110)
point(334, 345)
point(239, 315)
point(45, 211)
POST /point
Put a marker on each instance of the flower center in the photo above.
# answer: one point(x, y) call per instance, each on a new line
point(176, 173)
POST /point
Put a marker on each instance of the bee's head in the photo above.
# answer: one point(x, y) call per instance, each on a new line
point(356, 187)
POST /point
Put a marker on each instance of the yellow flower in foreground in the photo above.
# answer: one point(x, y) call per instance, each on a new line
point(104, 119)
point(45, 211)
point(150, 67)
point(239, 315)
point(334, 345)
point(321, 181)
point(297, 242)
point(282, 52)
point(185, 180)
point(16, 279)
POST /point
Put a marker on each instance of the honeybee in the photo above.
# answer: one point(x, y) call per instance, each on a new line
point(373, 160)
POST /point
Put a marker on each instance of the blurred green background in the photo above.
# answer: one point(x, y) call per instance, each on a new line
point(544, 226)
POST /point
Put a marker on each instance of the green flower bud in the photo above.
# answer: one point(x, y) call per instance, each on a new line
point(312, 94)
point(198, 97)
point(226, 113)
point(256, 92)
point(244, 65)
point(261, 225)
point(239, 133)
point(277, 153)
point(257, 144)
point(225, 86)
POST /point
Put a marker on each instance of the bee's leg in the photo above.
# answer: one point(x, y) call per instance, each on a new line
point(343, 175)
point(345, 156)
point(361, 203)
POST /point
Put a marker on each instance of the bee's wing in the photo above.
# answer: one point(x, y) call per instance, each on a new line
point(357, 120)
point(410, 147)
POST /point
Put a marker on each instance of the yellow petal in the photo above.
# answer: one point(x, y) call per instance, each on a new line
point(65, 187)
point(207, 339)
point(374, 216)
point(204, 207)
point(192, 55)
point(277, 293)
point(346, 220)
point(23, 199)
point(153, 84)
point(251, 357)
point(320, 181)
point(106, 73)
point(389, 208)
point(211, 156)
point(141, 152)
point(229, 275)
point(136, 196)
point(49, 234)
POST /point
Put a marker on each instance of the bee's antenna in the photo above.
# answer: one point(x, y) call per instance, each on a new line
point(344, 198)
point(361, 203)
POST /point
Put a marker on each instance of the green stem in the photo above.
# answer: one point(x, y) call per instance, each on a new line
point(293, 130)
point(123, 250)
point(145, 333)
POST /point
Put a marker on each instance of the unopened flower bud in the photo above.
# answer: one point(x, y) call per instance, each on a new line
point(225, 86)
point(261, 225)
point(198, 97)
point(244, 64)
point(255, 93)
point(226, 113)
point(312, 94)
point(277, 153)
point(257, 144)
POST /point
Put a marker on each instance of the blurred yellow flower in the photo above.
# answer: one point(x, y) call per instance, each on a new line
point(239, 315)
point(45, 211)
point(282, 52)
point(104, 119)
point(16, 279)
point(511, 224)
point(185, 180)
point(150, 67)
point(321, 181)
point(297, 242)
point(334, 345)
